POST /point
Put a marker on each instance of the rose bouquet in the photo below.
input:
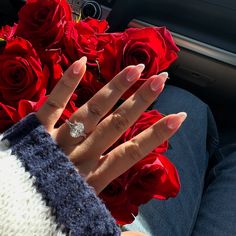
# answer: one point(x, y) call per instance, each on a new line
point(44, 43)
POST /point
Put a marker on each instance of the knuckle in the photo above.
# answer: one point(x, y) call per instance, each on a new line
point(144, 98)
point(66, 83)
point(53, 104)
point(133, 151)
point(159, 133)
point(100, 128)
point(118, 86)
point(120, 121)
point(95, 110)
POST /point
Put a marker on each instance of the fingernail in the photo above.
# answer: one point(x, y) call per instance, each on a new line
point(175, 121)
point(79, 65)
point(135, 72)
point(158, 81)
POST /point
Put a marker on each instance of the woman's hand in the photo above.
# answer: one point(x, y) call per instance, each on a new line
point(102, 132)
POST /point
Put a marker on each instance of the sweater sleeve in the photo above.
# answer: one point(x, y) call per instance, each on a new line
point(41, 191)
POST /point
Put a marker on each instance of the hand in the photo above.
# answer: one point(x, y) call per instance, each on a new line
point(102, 132)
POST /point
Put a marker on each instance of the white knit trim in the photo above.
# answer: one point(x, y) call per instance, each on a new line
point(23, 212)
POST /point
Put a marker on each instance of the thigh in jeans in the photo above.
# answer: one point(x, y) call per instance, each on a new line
point(217, 213)
point(190, 151)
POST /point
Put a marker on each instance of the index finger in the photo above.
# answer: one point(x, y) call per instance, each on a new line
point(54, 106)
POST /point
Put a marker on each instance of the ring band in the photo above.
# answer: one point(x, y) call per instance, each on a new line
point(76, 129)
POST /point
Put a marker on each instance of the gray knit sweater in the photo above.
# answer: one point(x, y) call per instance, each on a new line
point(42, 194)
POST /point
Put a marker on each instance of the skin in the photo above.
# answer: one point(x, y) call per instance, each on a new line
point(86, 154)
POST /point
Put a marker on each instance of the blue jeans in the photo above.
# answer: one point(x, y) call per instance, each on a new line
point(206, 204)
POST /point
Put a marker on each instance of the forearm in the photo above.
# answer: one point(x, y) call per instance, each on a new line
point(42, 190)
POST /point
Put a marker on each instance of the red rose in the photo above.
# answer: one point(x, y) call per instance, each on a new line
point(88, 86)
point(52, 60)
point(21, 74)
point(110, 60)
point(43, 22)
point(172, 49)
point(153, 177)
point(7, 32)
point(116, 200)
point(91, 25)
point(7, 117)
point(26, 107)
point(80, 40)
point(153, 47)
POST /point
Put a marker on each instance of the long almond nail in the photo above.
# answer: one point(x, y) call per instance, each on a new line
point(135, 72)
point(158, 81)
point(79, 64)
point(175, 121)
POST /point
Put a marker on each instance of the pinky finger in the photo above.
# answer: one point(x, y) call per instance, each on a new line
point(126, 155)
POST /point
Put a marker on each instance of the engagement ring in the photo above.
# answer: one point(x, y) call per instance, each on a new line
point(76, 129)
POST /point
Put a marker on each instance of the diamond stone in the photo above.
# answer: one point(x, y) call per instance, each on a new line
point(77, 130)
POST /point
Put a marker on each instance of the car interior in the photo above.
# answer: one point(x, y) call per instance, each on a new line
point(205, 32)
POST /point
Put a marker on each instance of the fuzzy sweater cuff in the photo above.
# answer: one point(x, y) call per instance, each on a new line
point(74, 203)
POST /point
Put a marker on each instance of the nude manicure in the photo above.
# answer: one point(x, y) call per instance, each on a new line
point(175, 121)
point(158, 82)
point(135, 72)
point(79, 64)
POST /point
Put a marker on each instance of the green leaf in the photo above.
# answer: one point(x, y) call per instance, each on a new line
point(3, 43)
point(78, 17)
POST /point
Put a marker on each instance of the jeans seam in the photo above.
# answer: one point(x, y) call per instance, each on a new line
point(195, 209)
point(219, 157)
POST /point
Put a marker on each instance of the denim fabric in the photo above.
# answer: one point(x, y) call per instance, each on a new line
point(217, 213)
point(199, 209)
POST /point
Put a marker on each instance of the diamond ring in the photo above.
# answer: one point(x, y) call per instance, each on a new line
point(76, 129)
